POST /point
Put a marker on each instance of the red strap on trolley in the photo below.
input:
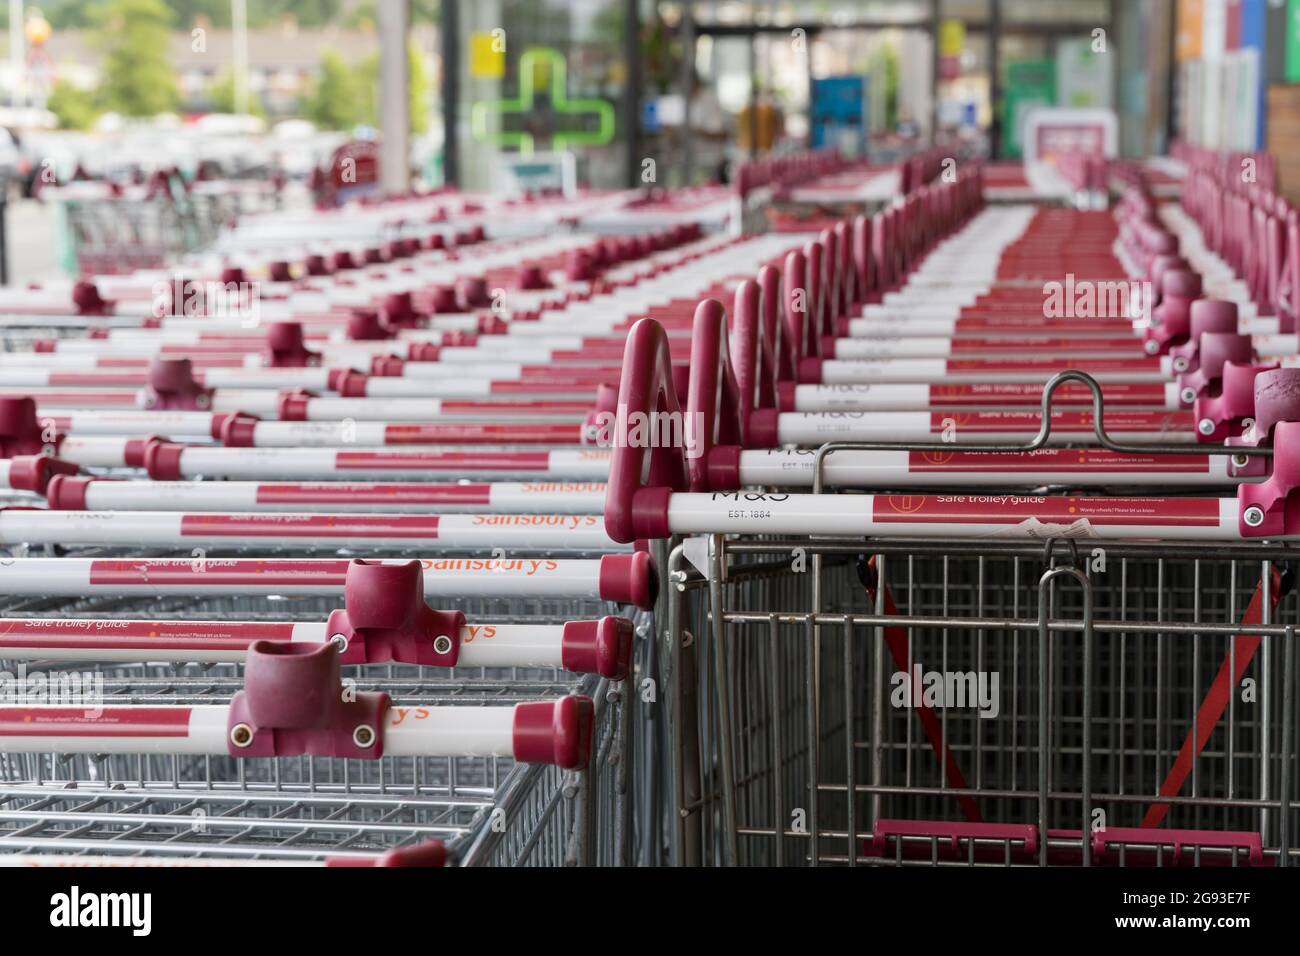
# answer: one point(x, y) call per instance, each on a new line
point(896, 639)
point(1234, 665)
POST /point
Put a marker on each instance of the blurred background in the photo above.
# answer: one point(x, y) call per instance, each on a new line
point(601, 94)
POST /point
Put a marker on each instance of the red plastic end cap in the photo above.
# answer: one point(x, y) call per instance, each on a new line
point(443, 299)
point(66, 492)
point(291, 406)
point(429, 853)
point(399, 311)
point(579, 266)
point(342, 260)
point(35, 472)
point(531, 278)
point(601, 647)
point(722, 468)
point(162, 460)
point(555, 732)
point(472, 293)
point(364, 326)
point(350, 384)
point(86, 299)
point(45, 345)
point(279, 271)
point(221, 418)
point(134, 449)
point(629, 579)
point(386, 366)
point(763, 433)
point(20, 429)
point(785, 396)
point(422, 352)
point(239, 431)
point(810, 371)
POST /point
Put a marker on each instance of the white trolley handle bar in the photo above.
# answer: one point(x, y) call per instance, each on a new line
point(559, 730)
point(600, 646)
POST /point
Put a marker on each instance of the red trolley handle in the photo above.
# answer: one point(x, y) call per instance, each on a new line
point(642, 479)
point(426, 853)
point(293, 703)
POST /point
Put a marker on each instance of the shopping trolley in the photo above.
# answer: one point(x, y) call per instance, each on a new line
point(786, 676)
point(1108, 624)
point(161, 772)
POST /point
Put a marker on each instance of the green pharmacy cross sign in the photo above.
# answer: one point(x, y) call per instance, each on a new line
point(539, 115)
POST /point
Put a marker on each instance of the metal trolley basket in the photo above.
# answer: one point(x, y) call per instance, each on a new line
point(1140, 684)
point(488, 810)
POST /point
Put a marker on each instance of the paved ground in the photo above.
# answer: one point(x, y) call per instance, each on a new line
point(32, 240)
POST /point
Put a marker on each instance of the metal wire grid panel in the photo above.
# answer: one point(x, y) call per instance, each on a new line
point(116, 236)
point(1124, 646)
point(490, 811)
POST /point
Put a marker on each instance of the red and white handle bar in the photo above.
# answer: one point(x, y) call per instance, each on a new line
point(616, 578)
point(635, 510)
point(384, 618)
point(484, 532)
point(78, 493)
point(555, 732)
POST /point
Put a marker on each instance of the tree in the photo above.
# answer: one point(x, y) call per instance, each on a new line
point(222, 94)
point(367, 79)
point(308, 13)
point(365, 13)
point(74, 107)
point(66, 14)
point(417, 81)
point(334, 103)
point(138, 79)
